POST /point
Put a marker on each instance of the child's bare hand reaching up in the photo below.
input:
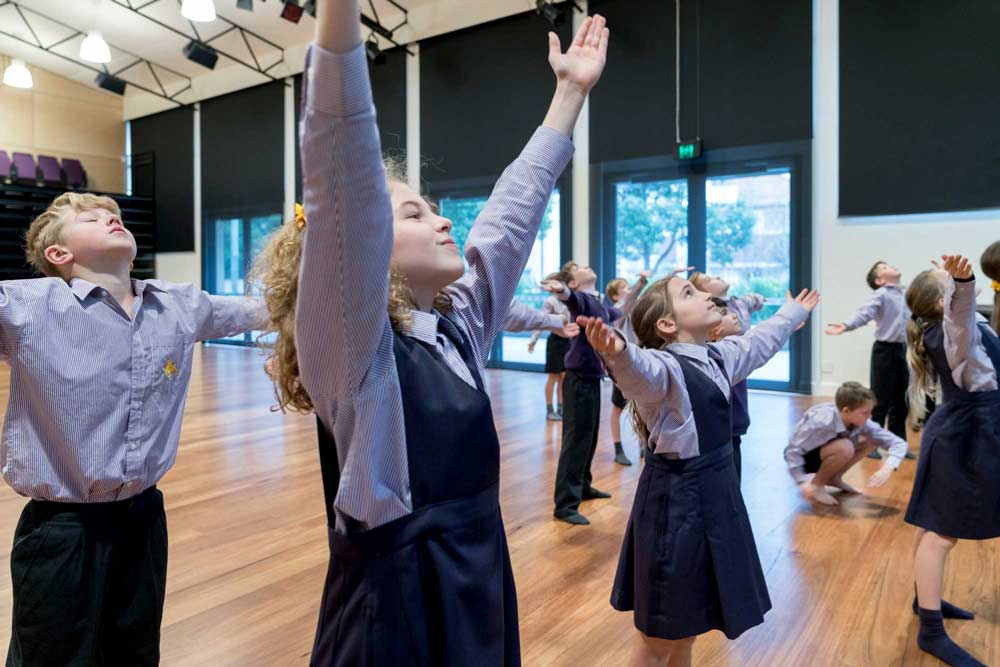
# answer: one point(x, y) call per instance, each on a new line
point(602, 337)
point(808, 299)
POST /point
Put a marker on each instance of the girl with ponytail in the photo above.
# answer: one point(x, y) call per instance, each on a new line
point(956, 491)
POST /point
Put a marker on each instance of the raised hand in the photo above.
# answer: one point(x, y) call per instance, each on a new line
point(553, 286)
point(583, 62)
point(602, 337)
point(835, 329)
point(645, 275)
point(957, 265)
point(806, 298)
point(569, 330)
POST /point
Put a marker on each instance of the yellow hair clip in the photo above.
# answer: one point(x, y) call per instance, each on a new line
point(300, 216)
point(996, 285)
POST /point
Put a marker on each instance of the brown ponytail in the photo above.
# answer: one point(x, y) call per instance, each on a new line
point(990, 261)
point(922, 298)
point(654, 304)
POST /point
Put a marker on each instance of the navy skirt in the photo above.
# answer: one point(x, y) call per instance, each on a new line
point(432, 589)
point(956, 491)
point(689, 563)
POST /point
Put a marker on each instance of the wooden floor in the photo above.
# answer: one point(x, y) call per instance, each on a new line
point(248, 544)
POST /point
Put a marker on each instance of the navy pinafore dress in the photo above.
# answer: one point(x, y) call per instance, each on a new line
point(956, 491)
point(689, 562)
point(433, 588)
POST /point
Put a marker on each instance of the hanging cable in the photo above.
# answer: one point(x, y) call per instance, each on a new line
point(677, 66)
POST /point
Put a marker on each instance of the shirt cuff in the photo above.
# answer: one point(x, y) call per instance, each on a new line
point(794, 312)
point(337, 83)
point(894, 461)
point(799, 474)
point(550, 148)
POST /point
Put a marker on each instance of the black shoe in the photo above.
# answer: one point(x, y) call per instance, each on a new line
point(574, 518)
point(875, 455)
point(910, 455)
point(594, 494)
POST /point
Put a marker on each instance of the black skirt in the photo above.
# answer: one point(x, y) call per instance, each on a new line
point(956, 491)
point(689, 563)
point(556, 348)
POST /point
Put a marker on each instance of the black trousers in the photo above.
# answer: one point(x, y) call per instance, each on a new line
point(889, 378)
point(737, 459)
point(89, 581)
point(581, 422)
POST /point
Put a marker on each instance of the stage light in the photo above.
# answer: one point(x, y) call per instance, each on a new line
point(198, 10)
point(552, 15)
point(111, 83)
point(201, 53)
point(292, 11)
point(17, 75)
point(374, 53)
point(94, 49)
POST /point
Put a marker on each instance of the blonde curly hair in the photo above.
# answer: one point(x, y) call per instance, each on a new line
point(276, 274)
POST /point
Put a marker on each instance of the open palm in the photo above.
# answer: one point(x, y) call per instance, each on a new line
point(583, 63)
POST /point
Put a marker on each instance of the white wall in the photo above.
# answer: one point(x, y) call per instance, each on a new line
point(845, 248)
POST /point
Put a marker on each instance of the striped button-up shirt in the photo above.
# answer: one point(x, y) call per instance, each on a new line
point(343, 334)
point(97, 394)
point(654, 379)
point(822, 424)
point(887, 306)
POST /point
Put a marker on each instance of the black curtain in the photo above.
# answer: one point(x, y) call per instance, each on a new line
point(746, 76)
point(163, 167)
point(919, 103)
point(483, 91)
point(242, 152)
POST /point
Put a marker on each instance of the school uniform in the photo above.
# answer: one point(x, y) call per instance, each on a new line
point(419, 571)
point(743, 307)
point(96, 400)
point(956, 491)
point(688, 563)
point(890, 374)
point(822, 424)
point(582, 405)
point(556, 347)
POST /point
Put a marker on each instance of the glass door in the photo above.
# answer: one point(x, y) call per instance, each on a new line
point(510, 350)
point(748, 243)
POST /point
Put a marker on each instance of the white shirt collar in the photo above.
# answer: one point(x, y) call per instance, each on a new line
point(423, 326)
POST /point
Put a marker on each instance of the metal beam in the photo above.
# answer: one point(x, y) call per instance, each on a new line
point(103, 69)
point(255, 66)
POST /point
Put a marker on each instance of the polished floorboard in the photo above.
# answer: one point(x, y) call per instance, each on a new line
point(248, 546)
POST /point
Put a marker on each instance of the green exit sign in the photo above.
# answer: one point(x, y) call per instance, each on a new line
point(687, 150)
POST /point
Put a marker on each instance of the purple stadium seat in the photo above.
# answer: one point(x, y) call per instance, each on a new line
point(49, 168)
point(76, 177)
point(25, 166)
point(4, 165)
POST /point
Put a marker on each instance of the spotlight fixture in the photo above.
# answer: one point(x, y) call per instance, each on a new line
point(374, 53)
point(246, 5)
point(94, 49)
point(201, 53)
point(198, 10)
point(111, 83)
point(292, 11)
point(554, 16)
point(309, 7)
point(17, 75)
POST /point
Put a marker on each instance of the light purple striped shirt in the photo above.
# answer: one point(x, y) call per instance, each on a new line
point(654, 379)
point(96, 398)
point(744, 307)
point(552, 306)
point(343, 334)
point(971, 367)
point(522, 317)
point(822, 424)
point(887, 306)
